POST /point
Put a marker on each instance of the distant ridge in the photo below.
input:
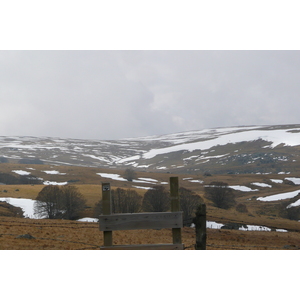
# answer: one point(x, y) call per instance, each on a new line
point(238, 149)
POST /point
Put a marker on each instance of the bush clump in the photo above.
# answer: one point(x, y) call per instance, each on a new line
point(241, 208)
point(220, 194)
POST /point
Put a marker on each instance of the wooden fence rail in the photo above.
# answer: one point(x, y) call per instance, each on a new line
point(141, 221)
point(109, 222)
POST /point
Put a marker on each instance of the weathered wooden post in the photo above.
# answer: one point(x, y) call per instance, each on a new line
point(106, 208)
point(200, 225)
point(175, 206)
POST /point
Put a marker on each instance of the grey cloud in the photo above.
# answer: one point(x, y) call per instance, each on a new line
point(115, 94)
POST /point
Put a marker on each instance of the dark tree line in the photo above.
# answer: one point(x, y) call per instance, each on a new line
point(23, 179)
point(122, 201)
point(31, 161)
point(128, 201)
point(156, 199)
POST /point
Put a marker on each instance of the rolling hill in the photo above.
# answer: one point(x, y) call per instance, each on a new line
point(231, 150)
point(260, 163)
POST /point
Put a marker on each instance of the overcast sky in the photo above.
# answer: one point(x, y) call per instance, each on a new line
point(118, 94)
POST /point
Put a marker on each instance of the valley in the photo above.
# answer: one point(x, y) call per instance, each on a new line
point(260, 164)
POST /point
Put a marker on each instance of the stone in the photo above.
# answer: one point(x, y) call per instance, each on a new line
point(25, 236)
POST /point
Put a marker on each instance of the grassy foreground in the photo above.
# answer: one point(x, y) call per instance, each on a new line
point(74, 235)
point(64, 234)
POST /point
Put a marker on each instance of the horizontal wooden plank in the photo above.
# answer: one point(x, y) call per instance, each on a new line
point(144, 247)
point(141, 221)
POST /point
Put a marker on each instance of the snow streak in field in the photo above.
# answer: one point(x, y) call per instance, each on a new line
point(277, 180)
point(53, 172)
point(54, 183)
point(112, 176)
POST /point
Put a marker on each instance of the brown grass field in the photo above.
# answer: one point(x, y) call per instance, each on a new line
point(74, 235)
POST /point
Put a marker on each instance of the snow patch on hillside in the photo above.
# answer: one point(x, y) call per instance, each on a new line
point(261, 184)
point(112, 176)
point(53, 172)
point(275, 137)
point(281, 196)
point(21, 172)
point(27, 205)
point(242, 188)
point(295, 180)
point(277, 180)
point(54, 183)
point(297, 203)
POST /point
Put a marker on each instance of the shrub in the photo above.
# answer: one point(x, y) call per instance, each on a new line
point(129, 174)
point(73, 202)
point(8, 179)
point(293, 213)
point(241, 208)
point(3, 160)
point(49, 203)
point(206, 173)
point(29, 179)
point(55, 202)
point(290, 212)
point(31, 161)
point(220, 194)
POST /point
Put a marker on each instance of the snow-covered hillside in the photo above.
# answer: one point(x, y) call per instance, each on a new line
point(220, 150)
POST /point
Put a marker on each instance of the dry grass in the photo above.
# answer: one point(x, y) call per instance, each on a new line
point(26, 191)
point(72, 235)
point(62, 234)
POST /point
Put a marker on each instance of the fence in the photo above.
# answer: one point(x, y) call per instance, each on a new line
point(109, 222)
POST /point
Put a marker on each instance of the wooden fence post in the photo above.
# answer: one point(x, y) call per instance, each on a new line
point(200, 225)
point(175, 206)
point(106, 209)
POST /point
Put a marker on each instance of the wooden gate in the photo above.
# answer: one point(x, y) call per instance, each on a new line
point(109, 222)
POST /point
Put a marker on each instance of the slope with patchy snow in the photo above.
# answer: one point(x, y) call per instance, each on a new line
point(221, 150)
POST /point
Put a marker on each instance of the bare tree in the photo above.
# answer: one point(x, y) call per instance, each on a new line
point(97, 211)
point(48, 203)
point(220, 194)
point(134, 201)
point(56, 202)
point(156, 200)
point(122, 201)
point(118, 200)
point(130, 174)
point(189, 202)
point(125, 201)
point(73, 202)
